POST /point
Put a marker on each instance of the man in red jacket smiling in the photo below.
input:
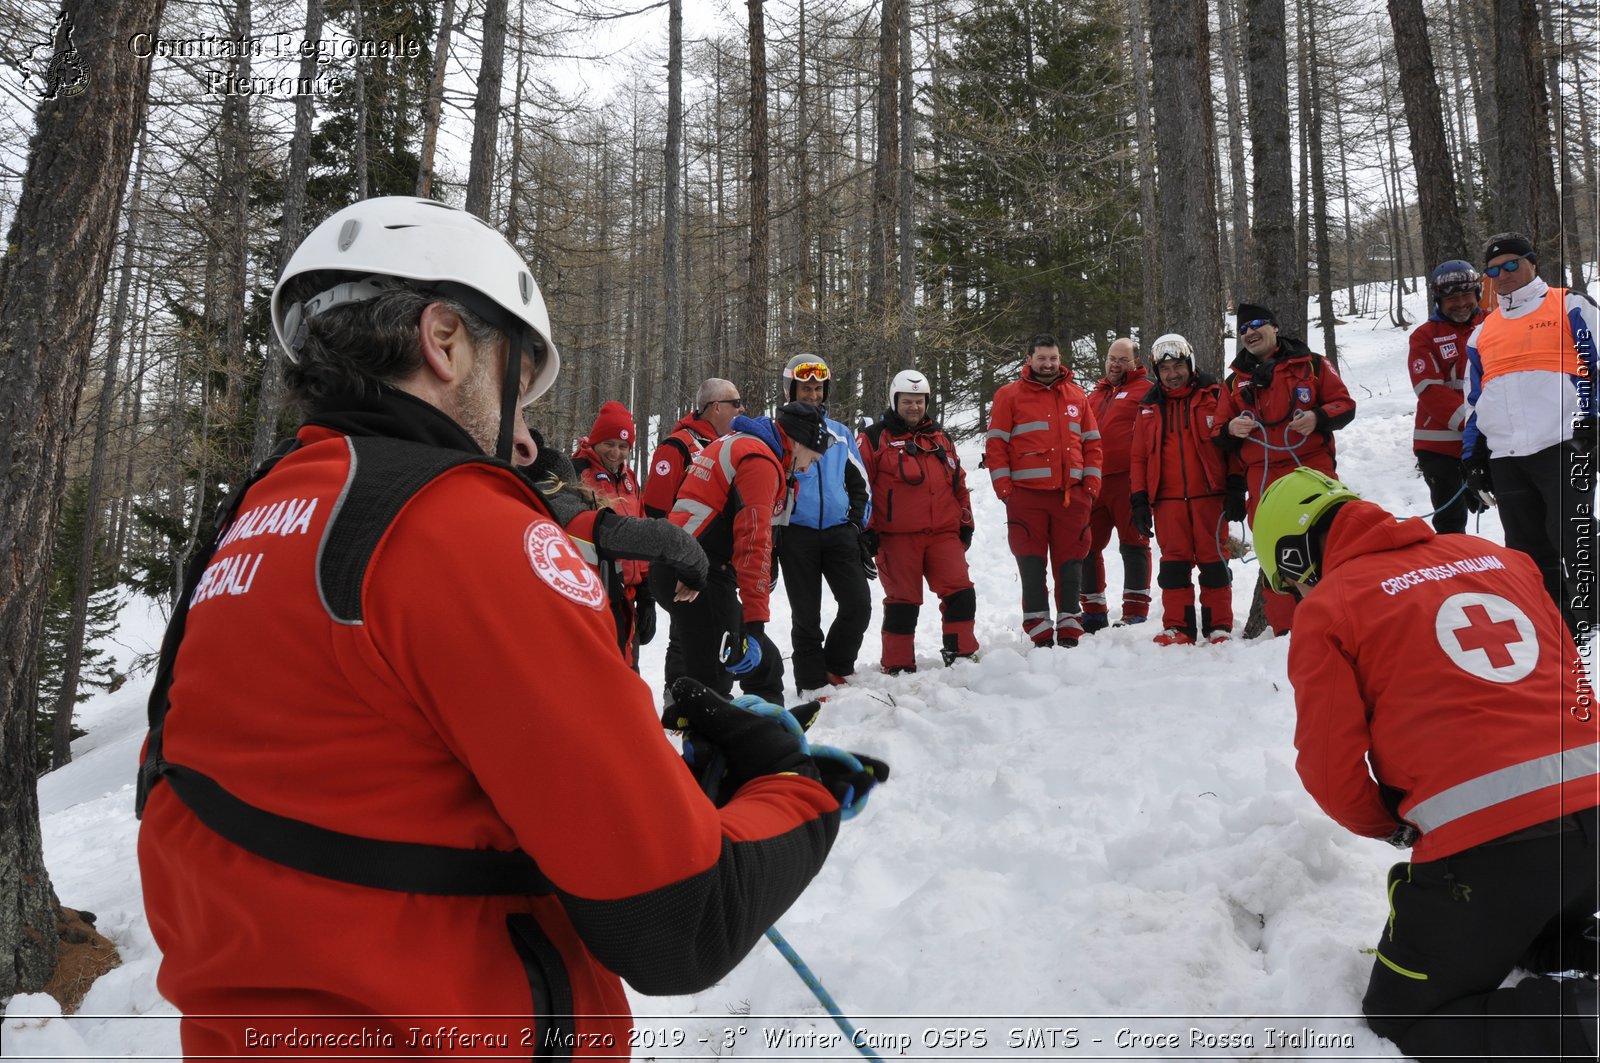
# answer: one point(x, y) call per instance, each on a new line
point(1442, 705)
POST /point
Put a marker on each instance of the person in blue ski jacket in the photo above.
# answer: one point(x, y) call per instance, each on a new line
point(823, 541)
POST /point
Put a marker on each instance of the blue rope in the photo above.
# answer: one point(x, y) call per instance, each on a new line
point(819, 991)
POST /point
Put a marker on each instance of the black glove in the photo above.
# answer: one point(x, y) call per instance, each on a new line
point(1143, 519)
point(869, 553)
point(644, 614)
point(848, 784)
point(965, 535)
point(1404, 836)
point(1233, 507)
point(650, 539)
point(1475, 471)
point(726, 746)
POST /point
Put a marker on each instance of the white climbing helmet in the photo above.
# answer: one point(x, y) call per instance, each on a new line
point(908, 382)
point(431, 246)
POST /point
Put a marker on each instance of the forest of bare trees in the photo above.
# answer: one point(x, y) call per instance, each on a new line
point(708, 190)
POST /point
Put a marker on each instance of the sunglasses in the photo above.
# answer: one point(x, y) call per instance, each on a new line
point(737, 404)
point(1510, 267)
point(1251, 326)
point(811, 371)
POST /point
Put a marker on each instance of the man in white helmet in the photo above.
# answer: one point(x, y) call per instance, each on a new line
point(924, 528)
point(398, 775)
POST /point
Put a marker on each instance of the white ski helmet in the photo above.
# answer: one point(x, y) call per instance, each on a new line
point(908, 382)
point(432, 246)
point(1169, 347)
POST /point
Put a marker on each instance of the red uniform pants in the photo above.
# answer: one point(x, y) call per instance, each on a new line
point(1190, 532)
point(1113, 512)
point(904, 561)
point(1046, 534)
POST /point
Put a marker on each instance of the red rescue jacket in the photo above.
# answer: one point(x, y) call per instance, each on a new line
point(670, 462)
point(918, 485)
point(1116, 410)
point(734, 490)
point(1441, 659)
point(1042, 437)
point(1299, 380)
point(479, 703)
point(621, 491)
point(1173, 456)
point(1438, 367)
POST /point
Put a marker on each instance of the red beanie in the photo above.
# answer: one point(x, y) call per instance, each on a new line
point(612, 422)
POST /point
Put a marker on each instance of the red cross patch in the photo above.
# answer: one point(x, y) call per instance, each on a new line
point(1487, 636)
point(556, 561)
point(663, 466)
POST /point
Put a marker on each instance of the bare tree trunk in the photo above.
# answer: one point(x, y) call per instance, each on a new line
point(1272, 230)
point(1472, 231)
point(806, 286)
point(1302, 218)
point(1180, 47)
point(1477, 41)
point(486, 112)
point(1319, 194)
point(1344, 192)
point(1394, 195)
point(1442, 235)
point(907, 197)
point(1150, 318)
point(882, 290)
point(672, 383)
point(1571, 238)
point(269, 400)
point(88, 548)
point(755, 306)
point(430, 122)
point(1526, 197)
point(51, 280)
point(362, 181)
point(1238, 184)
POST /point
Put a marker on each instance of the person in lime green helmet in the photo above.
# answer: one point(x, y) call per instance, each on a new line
point(1441, 706)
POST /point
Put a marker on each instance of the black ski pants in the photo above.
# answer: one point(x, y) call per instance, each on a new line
point(1545, 508)
point(698, 629)
point(1458, 926)
point(1442, 474)
point(808, 556)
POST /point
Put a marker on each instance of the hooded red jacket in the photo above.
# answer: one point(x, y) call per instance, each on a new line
point(479, 703)
point(1300, 380)
point(1443, 661)
point(918, 484)
point(621, 491)
point(670, 461)
point(1042, 437)
point(1173, 457)
point(1116, 409)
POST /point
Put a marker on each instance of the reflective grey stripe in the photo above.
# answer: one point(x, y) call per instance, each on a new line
point(1033, 474)
point(1501, 786)
point(1035, 624)
point(725, 459)
point(1426, 384)
point(1029, 426)
point(999, 474)
point(1437, 435)
point(586, 548)
point(1089, 435)
point(1090, 470)
point(698, 512)
point(1456, 385)
point(1459, 418)
point(998, 433)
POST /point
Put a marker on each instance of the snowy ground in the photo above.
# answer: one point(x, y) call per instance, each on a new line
point(1108, 842)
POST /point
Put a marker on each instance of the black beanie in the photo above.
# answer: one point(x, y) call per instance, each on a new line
point(1508, 244)
point(1252, 311)
point(804, 424)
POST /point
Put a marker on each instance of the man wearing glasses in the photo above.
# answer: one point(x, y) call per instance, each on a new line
point(1279, 409)
point(716, 404)
point(823, 541)
point(1530, 437)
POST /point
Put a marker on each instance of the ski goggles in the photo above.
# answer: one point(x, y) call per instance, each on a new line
point(1458, 288)
point(1171, 353)
point(811, 371)
point(1509, 267)
point(1251, 326)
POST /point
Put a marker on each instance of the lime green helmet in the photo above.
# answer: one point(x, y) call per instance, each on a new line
point(1291, 507)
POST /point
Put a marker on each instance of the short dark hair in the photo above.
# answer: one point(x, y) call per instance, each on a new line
point(353, 348)
point(1043, 339)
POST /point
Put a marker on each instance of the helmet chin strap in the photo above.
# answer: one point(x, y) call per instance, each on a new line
point(510, 394)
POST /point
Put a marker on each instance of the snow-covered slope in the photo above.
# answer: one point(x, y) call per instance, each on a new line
point(1109, 840)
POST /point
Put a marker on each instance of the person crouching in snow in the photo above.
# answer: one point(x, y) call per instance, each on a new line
point(1181, 493)
point(601, 463)
point(922, 525)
